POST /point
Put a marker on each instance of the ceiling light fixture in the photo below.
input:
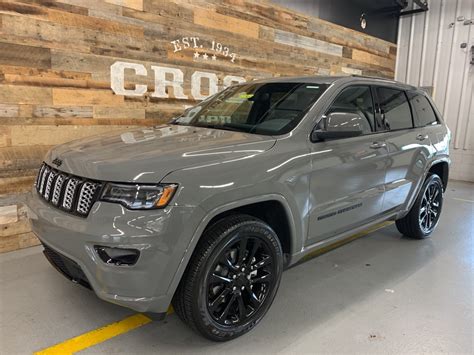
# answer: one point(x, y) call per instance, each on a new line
point(363, 21)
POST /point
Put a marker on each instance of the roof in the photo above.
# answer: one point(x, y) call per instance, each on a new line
point(319, 79)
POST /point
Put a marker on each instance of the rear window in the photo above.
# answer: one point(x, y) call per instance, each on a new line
point(422, 110)
point(395, 110)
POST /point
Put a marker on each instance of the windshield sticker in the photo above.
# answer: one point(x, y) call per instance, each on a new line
point(240, 98)
point(235, 100)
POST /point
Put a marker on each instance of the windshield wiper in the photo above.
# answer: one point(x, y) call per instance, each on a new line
point(176, 122)
point(219, 126)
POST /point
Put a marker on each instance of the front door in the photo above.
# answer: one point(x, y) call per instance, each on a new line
point(348, 174)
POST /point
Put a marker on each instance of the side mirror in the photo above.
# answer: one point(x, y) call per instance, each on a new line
point(340, 125)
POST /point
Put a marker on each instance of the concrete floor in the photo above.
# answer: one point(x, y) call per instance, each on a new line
point(380, 294)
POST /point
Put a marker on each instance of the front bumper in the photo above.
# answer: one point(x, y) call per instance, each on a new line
point(69, 268)
point(162, 236)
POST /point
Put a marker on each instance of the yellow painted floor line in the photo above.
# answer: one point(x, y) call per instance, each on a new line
point(107, 332)
point(98, 336)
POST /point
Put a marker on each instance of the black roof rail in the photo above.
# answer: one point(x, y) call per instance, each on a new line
point(371, 77)
point(382, 79)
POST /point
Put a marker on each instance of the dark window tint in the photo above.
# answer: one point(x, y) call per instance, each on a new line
point(394, 107)
point(422, 110)
point(356, 102)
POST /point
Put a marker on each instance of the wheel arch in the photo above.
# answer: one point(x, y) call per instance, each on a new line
point(252, 206)
point(271, 212)
point(438, 166)
point(441, 168)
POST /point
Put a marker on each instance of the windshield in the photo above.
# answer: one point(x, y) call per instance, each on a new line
point(264, 108)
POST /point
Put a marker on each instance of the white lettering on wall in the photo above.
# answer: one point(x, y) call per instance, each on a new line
point(117, 78)
point(161, 83)
point(168, 77)
point(206, 51)
point(196, 83)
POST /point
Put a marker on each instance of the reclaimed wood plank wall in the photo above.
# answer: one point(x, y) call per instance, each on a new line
point(55, 75)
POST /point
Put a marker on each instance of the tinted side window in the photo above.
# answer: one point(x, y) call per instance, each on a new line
point(356, 101)
point(395, 109)
point(422, 110)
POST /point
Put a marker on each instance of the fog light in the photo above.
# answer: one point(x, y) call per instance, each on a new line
point(117, 256)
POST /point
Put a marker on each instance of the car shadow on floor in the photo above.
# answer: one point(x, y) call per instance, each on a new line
point(310, 294)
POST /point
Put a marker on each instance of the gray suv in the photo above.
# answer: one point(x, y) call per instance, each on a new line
point(205, 212)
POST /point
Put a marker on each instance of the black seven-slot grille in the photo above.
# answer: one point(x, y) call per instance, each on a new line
point(68, 192)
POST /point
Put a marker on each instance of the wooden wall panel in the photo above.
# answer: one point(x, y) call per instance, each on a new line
point(213, 20)
point(56, 58)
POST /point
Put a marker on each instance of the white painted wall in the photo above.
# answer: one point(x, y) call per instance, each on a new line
point(430, 55)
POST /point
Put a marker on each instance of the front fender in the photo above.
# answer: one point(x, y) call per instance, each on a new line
point(279, 174)
point(294, 230)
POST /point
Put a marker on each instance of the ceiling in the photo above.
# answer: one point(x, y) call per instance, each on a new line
point(381, 15)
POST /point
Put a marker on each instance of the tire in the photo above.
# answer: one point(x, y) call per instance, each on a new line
point(219, 298)
point(424, 215)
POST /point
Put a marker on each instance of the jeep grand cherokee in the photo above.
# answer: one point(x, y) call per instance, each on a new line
point(205, 212)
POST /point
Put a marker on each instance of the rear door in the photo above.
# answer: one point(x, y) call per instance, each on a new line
point(348, 174)
point(425, 120)
point(408, 146)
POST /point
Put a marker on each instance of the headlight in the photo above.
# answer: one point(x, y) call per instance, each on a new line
point(138, 197)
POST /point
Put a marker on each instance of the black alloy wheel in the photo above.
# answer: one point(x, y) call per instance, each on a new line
point(424, 215)
point(240, 280)
point(430, 209)
point(231, 279)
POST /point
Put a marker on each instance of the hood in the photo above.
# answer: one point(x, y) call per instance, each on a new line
point(148, 154)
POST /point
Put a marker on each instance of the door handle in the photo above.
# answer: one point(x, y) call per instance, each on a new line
point(421, 137)
point(378, 145)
